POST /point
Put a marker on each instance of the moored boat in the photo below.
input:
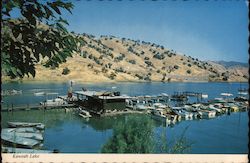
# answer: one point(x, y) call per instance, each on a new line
point(27, 130)
point(234, 108)
point(207, 113)
point(83, 113)
point(167, 118)
point(39, 93)
point(183, 113)
point(36, 136)
point(53, 102)
point(141, 107)
point(23, 150)
point(18, 141)
point(40, 126)
point(216, 108)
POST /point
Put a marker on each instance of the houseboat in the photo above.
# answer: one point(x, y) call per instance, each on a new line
point(99, 102)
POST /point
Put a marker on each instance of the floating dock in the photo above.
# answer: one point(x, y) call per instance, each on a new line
point(33, 107)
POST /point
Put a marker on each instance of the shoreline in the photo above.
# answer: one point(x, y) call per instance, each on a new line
point(110, 82)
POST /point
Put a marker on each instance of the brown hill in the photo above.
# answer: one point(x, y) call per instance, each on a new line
point(111, 59)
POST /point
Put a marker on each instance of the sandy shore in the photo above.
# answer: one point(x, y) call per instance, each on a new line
point(6, 80)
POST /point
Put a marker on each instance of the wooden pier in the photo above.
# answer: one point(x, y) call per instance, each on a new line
point(12, 107)
point(182, 96)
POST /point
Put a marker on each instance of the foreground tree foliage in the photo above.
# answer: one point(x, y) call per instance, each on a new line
point(133, 136)
point(136, 135)
point(37, 35)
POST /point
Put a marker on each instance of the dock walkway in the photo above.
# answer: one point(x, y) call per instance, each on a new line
point(33, 107)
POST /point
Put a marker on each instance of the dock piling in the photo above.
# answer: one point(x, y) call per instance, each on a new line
point(12, 108)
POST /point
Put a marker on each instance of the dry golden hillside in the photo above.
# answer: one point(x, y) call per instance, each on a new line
point(111, 59)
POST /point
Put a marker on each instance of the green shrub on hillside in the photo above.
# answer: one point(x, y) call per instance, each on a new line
point(84, 54)
point(90, 56)
point(66, 71)
point(149, 63)
point(112, 76)
point(176, 67)
point(104, 70)
point(119, 58)
point(159, 56)
point(139, 76)
point(132, 61)
point(130, 49)
point(147, 78)
point(120, 69)
point(189, 71)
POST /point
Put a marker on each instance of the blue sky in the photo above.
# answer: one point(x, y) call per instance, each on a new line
point(208, 30)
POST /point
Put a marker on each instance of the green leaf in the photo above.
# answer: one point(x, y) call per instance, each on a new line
point(61, 27)
point(63, 21)
point(55, 8)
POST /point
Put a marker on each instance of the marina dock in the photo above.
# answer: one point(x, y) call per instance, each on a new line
point(12, 107)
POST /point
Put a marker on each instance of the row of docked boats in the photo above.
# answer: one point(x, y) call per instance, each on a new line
point(210, 109)
point(23, 137)
point(11, 92)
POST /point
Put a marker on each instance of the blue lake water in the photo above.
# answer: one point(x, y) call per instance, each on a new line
point(133, 89)
point(71, 134)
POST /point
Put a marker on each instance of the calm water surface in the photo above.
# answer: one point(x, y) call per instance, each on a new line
point(70, 133)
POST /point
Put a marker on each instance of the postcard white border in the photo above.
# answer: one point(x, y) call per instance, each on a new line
point(135, 158)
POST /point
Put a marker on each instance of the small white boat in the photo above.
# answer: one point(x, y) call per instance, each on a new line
point(83, 113)
point(207, 113)
point(204, 96)
point(11, 92)
point(159, 105)
point(54, 102)
point(168, 119)
point(141, 107)
point(27, 130)
point(182, 112)
point(243, 93)
point(218, 100)
point(36, 136)
point(164, 94)
point(23, 150)
point(19, 141)
point(226, 94)
point(39, 93)
point(215, 107)
point(39, 126)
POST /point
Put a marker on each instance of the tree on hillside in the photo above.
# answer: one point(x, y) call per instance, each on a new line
point(38, 34)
